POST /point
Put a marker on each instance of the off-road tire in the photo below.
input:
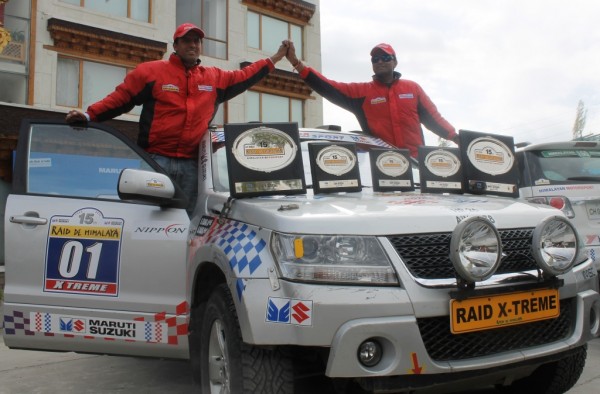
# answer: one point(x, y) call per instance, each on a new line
point(230, 365)
point(553, 378)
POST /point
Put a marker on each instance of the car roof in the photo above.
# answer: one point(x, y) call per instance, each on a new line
point(321, 134)
point(562, 145)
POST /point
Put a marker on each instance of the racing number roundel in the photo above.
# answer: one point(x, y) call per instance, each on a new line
point(83, 253)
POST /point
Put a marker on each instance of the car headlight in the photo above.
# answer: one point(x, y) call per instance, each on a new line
point(475, 249)
point(555, 245)
point(332, 259)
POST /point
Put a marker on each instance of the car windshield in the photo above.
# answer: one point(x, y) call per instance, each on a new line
point(363, 146)
point(564, 165)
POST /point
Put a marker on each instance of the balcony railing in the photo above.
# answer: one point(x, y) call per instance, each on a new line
point(14, 51)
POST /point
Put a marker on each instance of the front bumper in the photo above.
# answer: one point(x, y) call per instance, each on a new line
point(406, 354)
point(340, 318)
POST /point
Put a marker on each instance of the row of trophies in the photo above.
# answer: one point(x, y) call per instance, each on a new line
point(265, 159)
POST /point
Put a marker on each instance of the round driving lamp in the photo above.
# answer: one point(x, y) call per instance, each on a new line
point(555, 245)
point(475, 249)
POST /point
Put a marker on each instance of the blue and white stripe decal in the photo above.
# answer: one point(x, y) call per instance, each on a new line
point(244, 248)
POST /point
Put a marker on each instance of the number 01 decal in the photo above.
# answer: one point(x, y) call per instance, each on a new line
point(83, 254)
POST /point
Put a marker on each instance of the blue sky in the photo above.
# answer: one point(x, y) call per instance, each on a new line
point(508, 67)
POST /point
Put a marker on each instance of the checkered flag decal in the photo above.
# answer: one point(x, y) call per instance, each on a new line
point(242, 246)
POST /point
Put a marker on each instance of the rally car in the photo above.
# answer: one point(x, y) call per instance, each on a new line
point(269, 280)
point(566, 175)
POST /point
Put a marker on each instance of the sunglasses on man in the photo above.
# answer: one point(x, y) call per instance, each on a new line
point(384, 58)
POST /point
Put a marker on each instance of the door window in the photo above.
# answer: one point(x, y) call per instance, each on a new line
point(72, 162)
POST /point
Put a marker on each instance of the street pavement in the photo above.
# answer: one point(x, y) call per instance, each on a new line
point(34, 372)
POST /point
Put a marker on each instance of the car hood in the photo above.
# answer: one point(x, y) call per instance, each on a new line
point(379, 213)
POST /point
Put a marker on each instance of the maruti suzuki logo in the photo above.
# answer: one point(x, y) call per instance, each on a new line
point(289, 311)
point(301, 312)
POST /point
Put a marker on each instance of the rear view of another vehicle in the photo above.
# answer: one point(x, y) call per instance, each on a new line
point(566, 175)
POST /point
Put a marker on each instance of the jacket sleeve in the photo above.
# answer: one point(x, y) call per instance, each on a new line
point(349, 96)
point(232, 83)
point(432, 119)
point(126, 95)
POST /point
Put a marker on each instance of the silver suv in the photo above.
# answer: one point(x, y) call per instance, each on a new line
point(566, 175)
point(390, 291)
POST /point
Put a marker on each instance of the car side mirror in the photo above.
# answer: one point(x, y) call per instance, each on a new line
point(148, 186)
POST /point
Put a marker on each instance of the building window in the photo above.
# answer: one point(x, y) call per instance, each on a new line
point(133, 9)
point(80, 83)
point(219, 118)
point(264, 107)
point(211, 17)
point(14, 19)
point(14, 88)
point(266, 33)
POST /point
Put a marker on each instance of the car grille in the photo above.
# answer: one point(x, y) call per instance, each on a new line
point(427, 255)
point(442, 345)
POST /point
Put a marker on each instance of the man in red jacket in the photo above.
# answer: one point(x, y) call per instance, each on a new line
point(179, 98)
point(388, 107)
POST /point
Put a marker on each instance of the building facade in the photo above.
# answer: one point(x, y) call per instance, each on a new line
point(56, 55)
point(64, 54)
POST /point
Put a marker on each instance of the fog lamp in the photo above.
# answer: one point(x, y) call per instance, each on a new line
point(370, 353)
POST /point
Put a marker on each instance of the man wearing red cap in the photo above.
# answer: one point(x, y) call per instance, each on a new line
point(179, 98)
point(388, 107)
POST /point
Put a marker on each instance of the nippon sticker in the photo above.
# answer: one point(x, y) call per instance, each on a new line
point(205, 88)
point(143, 331)
point(40, 162)
point(406, 96)
point(170, 88)
point(160, 231)
point(289, 311)
point(83, 254)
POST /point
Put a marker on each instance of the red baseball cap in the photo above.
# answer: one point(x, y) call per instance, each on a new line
point(387, 48)
point(185, 28)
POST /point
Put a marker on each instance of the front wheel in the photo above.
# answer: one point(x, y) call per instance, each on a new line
point(227, 364)
point(553, 378)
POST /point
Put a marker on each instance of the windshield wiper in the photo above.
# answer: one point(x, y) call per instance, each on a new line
point(584, 178)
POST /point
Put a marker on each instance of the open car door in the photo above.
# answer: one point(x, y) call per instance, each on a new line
point(95, 260)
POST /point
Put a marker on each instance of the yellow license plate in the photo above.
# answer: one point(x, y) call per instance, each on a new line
point(483, 313)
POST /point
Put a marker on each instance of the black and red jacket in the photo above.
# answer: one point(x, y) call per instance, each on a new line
point(392, 112)
point(178, 103)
